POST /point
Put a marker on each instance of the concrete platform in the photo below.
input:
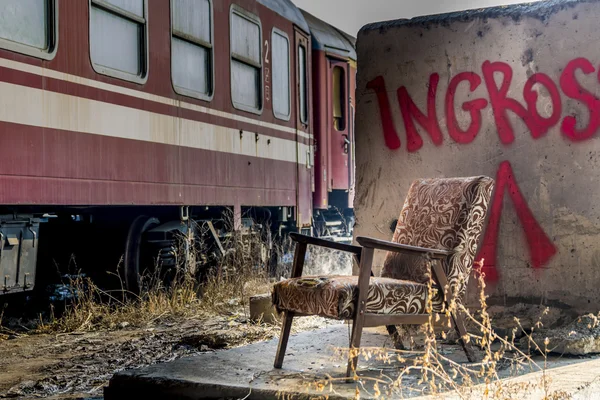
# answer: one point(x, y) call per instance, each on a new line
point(247, 372)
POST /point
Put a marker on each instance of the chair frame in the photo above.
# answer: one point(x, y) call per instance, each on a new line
point(364, 255)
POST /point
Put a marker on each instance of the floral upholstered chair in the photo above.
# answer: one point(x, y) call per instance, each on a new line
point(433, 246)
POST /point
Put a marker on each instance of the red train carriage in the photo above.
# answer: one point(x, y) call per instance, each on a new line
point(334, 83)
point(121, 118)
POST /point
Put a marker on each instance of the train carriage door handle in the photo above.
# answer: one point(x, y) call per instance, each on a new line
point(346, 144)
point(34, 233)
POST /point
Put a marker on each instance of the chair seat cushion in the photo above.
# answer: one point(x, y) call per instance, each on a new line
point(335, 296)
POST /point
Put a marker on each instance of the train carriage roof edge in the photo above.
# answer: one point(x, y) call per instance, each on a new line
point(324, 36)
point(288, 10)
point(328, 38)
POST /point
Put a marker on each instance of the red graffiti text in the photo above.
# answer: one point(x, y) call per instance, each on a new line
point(499, 101)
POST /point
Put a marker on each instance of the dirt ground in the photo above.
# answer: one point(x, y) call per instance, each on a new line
point(79, 365)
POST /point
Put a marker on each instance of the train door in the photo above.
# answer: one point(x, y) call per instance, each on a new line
point(352, 134)
point(304, 141)
point(339, 127)
point(351, 158)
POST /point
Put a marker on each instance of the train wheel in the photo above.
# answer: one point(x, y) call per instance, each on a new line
point(132, 260)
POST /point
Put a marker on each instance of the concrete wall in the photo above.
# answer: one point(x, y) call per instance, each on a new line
point(512, 93)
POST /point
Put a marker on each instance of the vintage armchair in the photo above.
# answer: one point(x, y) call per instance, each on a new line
point(436, 237)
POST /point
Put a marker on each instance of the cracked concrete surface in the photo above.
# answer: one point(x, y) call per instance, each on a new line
point(247, 372)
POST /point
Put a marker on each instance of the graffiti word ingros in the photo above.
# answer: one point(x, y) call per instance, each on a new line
point(499, 101)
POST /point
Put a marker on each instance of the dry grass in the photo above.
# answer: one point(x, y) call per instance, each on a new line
point(3, 330)
point(439, 375)
point(93, 308)
point(240, 272)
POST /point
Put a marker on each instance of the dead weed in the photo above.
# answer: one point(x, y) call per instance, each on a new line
point(429, 371)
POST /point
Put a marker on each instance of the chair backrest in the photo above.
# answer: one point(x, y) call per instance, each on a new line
point(446, 214)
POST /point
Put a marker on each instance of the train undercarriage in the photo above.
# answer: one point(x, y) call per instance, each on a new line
point(116, 246)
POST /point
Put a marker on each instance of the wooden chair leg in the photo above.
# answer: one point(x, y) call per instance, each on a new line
point(456, 315)
point(283, 338)
point(459, 325)
point(288, 316)
point(364, 274)
point(357, 328)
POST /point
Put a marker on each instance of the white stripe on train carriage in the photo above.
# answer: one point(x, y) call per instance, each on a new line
point(36, 107)
point(50, 73)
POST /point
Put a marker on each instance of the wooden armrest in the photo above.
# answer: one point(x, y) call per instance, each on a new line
point(373, 243)
point(325, 243)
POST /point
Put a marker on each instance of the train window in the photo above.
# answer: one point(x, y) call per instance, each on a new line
point(280, 56)
point(338, 98)
point(246, 61)
point(303, 84)
point(29, 27)
point(118, 38)
point(192, 48)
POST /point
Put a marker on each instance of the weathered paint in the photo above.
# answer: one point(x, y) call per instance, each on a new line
point(71, 136)
point(352, 133)
point(333, 165)
point(510, 92)
point(320, 129)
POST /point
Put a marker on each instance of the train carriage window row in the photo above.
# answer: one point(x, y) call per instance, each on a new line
point(29, 27)
point(246, 61)
point(118, 32)
point(281, 74)
point(192, 47)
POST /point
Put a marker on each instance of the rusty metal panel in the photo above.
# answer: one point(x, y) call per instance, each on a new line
point(9, 257)
point(28, 255)
point(18, 253)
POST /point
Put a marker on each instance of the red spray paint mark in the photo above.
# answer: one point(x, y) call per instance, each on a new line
point(429, 122)
point(392, 140)
point(474, 107)
point(573, 89)
point(500, 101)
point(540, 125)
point(541, 249)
